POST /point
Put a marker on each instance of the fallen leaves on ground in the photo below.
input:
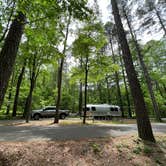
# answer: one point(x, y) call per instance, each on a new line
point(120, 151)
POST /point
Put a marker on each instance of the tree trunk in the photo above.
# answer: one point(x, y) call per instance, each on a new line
point(126, 89)
point(164, 87)
point(143, 122)
point(108, 91)
point(119, 96)
point(56, 119)
point(19, 81)
point(80, 99)
point(28, 102)
point(145, 70)
point(159, 89)
point(33, 76)
point(60, 69)
point(10, 95)
point(99, 88)
point(8, 23)
point(9, 52)
point(80, 93)
point(160, 20)
point(85, 93)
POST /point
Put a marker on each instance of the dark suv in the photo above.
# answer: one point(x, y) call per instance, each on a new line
point(48, 112)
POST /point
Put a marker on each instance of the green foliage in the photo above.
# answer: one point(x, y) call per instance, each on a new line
point(96, 148)
point(88, 44)
point(147, 149)
point(67, 101)
point(43, 36)
point(137, 150)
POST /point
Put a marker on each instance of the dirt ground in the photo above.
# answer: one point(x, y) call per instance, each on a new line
point(120, 151)
point(68, 121)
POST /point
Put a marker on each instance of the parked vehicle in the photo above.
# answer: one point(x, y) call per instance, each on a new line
point(48, 112)
point(103, 110)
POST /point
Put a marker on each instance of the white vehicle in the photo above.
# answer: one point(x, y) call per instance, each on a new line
point(103, 110)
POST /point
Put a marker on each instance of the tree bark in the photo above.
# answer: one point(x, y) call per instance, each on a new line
point(80, 99)
point(159, 89)
point(9, 52)
point(99, 88)
point(145, 70)
point(10, 95)
point(34, 71)
point(143, 122)
point(85, 93)
point(28, 103)
point(119, 96)
point(126, 89)
point(19, 81)
point(60, 70)
point(108, 91)
point(80, 93)
point(160, 20)
point(164, 87)
point(8, 23)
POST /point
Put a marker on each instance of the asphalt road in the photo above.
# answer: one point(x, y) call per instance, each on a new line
point(53, 132)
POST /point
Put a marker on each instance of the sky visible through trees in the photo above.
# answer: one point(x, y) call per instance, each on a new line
point(70, 53)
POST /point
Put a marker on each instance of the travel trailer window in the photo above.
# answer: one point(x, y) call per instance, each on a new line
point(116, 109)
point(93, 108)
point(112, 109)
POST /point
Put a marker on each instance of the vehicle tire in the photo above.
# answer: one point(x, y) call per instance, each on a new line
point(36, 117)
point(62, 116)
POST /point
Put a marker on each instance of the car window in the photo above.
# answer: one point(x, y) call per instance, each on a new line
point(49, 108)
point(53, 110)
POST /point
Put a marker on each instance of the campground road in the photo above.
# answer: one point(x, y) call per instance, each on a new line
point(70, 132)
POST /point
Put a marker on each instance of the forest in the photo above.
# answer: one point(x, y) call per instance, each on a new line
point(61, 53)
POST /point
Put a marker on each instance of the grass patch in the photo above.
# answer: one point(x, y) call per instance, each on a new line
point(147, 149)
point(96, 148)
point(137, 150)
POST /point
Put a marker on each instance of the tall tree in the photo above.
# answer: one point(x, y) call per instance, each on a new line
point(108, 89)
point(60, 70)
point(9, 52)
point(152, 6)
point(34, 71)
point(125, 84)
point(80, 92)
point(85, 86)
point(143, 122)
point(87, 46)
point(18, 85)
point(143, 66)
point(110, 31)
point(10, 94)
point(77, 10)
point(11, 7)
point(117, 82)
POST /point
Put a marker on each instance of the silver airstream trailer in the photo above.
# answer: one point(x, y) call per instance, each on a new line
point(103, 111)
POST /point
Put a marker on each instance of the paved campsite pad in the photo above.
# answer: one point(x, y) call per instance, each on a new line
point(40, 143)
point(44, 130)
